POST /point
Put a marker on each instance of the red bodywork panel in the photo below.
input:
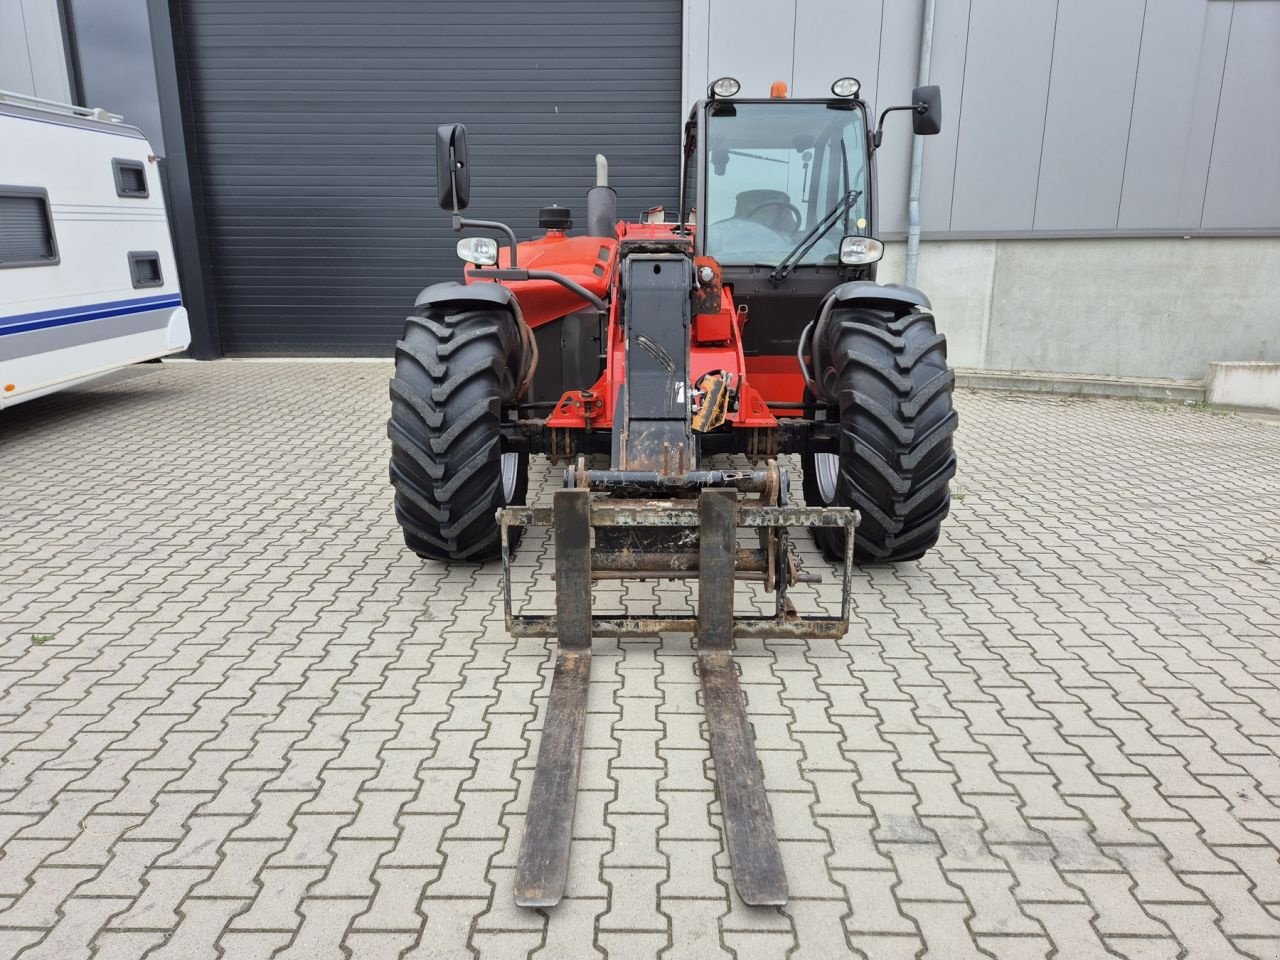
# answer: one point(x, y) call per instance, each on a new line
point(588, 261)
point(717, 336)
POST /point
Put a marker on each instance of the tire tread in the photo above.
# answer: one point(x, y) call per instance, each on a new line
point(888, 375)
point(453, 373)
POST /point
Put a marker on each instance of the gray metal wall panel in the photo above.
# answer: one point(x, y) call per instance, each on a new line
point(947, 63)
point(1061, 117)
point(1184, 43)
point(836, 38)
point(15, 61)
point(33, 58)
point(697, 42)
point(1095, 61)
point(316, 121)
point(899, 61)
point(752, 40)
point(50, 78)
point(1006, 82)
point(1244, 170)
point(1203, 110)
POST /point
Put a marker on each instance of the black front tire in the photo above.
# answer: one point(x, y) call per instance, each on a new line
point(887, 373)
point(454, 371)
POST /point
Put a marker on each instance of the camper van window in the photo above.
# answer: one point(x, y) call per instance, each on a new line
point(131, 178)
point(26, 228)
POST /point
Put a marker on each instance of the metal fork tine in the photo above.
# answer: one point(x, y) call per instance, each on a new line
point(754, 855)
point(748, 823)
point(543, 867)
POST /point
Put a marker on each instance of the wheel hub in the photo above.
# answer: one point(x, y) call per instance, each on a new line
point(510, 476)
point(826, 468)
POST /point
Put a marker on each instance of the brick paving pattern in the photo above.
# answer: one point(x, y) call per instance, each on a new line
point(238, 719)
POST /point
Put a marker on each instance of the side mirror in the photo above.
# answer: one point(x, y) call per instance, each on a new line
point(926, 114)
point(926, 118)
point(453, 175)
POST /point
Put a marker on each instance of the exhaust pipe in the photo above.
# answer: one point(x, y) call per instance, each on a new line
point(602, 202)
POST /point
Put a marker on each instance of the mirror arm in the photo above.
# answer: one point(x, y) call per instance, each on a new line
point(453, 183)
point(879, 134)
point(460, 221)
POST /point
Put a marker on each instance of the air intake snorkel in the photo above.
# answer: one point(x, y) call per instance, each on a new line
point(602, 202)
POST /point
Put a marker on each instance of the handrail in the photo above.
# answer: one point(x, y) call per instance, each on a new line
point(521, 275)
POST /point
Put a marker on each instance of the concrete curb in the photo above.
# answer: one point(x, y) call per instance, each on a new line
point(1083, 385)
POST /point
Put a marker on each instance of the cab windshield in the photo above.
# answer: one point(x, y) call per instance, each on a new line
point(774, 170)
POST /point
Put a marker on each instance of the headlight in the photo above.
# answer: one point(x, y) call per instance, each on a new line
point(482, 251)
point(855, 250)
point(846, 87)
point(725, 87)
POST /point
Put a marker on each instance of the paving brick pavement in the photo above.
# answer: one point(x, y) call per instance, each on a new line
point(238, 719)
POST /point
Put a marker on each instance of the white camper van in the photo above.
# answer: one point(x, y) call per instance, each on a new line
point(88, 282)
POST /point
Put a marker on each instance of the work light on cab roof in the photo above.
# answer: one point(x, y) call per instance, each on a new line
point(725, 87)
point(846, 87)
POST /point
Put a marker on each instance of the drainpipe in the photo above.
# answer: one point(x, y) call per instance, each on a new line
point(917, 151)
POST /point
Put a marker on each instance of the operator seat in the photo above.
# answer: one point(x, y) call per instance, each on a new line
point(777, 216)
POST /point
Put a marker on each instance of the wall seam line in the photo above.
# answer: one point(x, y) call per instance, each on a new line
point(1217, 113)
point(1048, 94)
point(955, 157)
point(684, 55)
point(710, 20)
point(795, 30)
point(879, 58)
point(26, 42)
point(1133, 104)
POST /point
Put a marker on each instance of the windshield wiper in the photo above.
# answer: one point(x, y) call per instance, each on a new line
point(755, 156)
point(816, 233)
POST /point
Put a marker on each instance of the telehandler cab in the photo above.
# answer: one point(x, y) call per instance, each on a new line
point(749, 323)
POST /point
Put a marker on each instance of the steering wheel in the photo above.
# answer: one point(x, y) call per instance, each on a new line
point(786, 205)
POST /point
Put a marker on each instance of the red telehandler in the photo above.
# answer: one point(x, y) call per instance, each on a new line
point(749, 323)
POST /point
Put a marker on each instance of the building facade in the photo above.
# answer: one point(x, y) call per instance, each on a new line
point(1104, 197)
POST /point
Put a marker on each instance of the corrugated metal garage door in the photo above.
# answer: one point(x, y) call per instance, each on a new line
point(315, 123)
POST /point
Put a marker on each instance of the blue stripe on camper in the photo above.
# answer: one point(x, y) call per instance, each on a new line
point(62, 316)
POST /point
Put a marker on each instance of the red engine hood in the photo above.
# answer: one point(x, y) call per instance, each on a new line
point(588, 261)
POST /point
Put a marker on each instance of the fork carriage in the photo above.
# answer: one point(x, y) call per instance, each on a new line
point(704, 533)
